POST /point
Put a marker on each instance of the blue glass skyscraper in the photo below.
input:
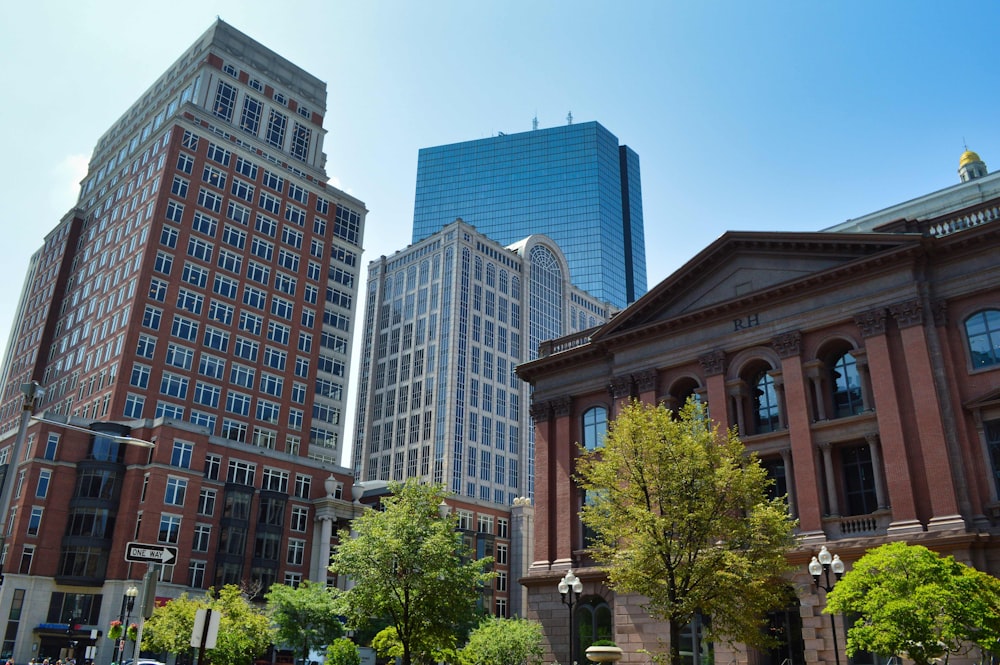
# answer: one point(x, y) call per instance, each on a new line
point(573, 183)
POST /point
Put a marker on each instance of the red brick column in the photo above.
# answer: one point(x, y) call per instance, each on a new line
point(803, 471)
point(564, 510)
point(646, 383)
point(714, 366)
point(545, 512)
point(929, 426)
point(890, 422)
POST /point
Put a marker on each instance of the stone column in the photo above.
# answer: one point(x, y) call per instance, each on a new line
point(320, 573)
point(876, 452)
point(786, 460)
point(831, 479)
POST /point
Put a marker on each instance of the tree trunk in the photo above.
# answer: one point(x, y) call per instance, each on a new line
point(675, 643)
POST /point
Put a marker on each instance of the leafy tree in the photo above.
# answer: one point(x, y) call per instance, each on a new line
point(499, 641)
point(910, 599)
point(680, 514)
point(244, 630)
point(342, 651)
point(408, 564)
point(305, 617)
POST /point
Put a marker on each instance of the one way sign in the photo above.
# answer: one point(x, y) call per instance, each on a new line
point(143, 553)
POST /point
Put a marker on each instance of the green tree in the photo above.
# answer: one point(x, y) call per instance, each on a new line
point(911, 600)
point(342, 651)
point(499, 641)
point(244, 630)
point(304, 617)
point(680, 514)
point(408, 564)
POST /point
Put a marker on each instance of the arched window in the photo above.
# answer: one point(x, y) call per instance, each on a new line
point(595, 426)
point(846, 384)
point(593, 622)
point(982, 331)
point(765, 403)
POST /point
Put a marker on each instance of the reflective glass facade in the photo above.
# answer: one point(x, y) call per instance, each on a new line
point(573, 183)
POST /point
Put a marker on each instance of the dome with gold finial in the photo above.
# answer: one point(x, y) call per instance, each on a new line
point(967, 158)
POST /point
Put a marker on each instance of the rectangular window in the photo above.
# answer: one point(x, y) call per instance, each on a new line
point(266, 225)
point(195, 275)
point(270, 203)
point(202, 538)
point(35, 520)
point(212, 367)
point(250, 119)
point(238, 403)
point(233, 236)
point(296, 552)
point(226, 287)
point(275, 358)
point(209, 199)
point(225, 101)
point(241, 473)
point(300, 142)
point(276, 124)
point(206, 502)
point(199, 249)
point(218, 154)
point(174, 494)
point(221, 312)
point(213, 466)
point(170, 529)
point(184, 328)
point(180, 456)
point(303, 484)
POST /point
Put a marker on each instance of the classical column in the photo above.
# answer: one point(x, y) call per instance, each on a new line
point(814, 371)
point(786, 460)
point(565, 519)
point(898, 473)
point(321, 572)
point(861, 358)
point(713, 364)
point(876, 453)
point(620, 390)
point(928, 426)
point(796, 413)
point(645, 383)
point(737, 392)
point(831, 479)
point(546, 516)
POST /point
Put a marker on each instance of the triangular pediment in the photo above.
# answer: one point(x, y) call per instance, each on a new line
point(741, 264)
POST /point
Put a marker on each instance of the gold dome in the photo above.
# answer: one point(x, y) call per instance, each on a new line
point(967, 158)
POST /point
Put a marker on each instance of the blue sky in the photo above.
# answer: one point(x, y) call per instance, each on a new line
point(751, 115)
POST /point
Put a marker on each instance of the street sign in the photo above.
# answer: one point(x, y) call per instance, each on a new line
point(143, 553)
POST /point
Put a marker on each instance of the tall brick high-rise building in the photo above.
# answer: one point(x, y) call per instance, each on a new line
point(200, 295)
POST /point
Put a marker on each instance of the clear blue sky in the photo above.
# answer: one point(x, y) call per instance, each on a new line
point(751, 115)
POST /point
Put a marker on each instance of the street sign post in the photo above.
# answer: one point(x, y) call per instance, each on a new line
point(144, 553)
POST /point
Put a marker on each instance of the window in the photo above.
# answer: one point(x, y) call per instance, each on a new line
point(195, 275)
point(196, 569)
point(296, 552)
point(190, 301)
point(140, 376)
point(300, 142)
point(276, 124)
point(225, 101)
point(145, 347)
point(179, 186)
point(184, 328)
point(210, 200)
point(35, 520)
point(211, 366)
point(163, 263)
point(765, 403)
point(133, 406)
point(206, 502)
point(227, 287)
point(42, 488)
point(859, 480)
point(275, 480)
point(185, 163)
point(250, 120)
point(213, 466)
point(258, 272)
point(213, 176)
point(595, 426)
point(221, 312)
point(218, 154)
point(168, 237)
point(266, 225)
point(234, 236)
point(238, 403)
point(241, 473)
point(300, 519)
point(846, 384)
point(180, 456)
point(170, 529)
point(174, 385)
point(982, 331)
point(202, 538)
point(262, 249)
point(303, 484)
point(242, 189)
point(174, 494)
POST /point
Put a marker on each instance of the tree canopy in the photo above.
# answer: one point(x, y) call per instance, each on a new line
point(407, 563)
point(679, 513)
point(910, 600)
point(244, 631)
point(304, 617)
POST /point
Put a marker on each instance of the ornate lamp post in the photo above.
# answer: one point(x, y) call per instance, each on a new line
point(128, 602)
point(570, 588)
point(822, 565)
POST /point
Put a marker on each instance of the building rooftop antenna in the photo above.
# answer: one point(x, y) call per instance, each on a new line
point(569, 118)
point(534, 122)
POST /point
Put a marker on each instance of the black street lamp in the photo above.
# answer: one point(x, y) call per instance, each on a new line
point(823, 564)
point(570, 588)
point(128, 602)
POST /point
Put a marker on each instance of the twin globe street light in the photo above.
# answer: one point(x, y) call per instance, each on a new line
point(570, 588)
point(128, 602)
point(822, 565)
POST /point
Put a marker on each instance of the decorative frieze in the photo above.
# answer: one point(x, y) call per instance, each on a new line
point(540, 412)
point(714, 362)
point(871, 322)
point(908, 313)
point(939, 310)
point(620, 387)
point(788, 344)
point(645, 380)
point(561, 406)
